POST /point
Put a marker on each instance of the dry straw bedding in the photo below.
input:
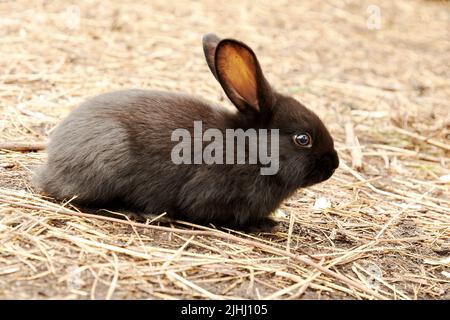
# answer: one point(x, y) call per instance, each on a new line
point(384, 93)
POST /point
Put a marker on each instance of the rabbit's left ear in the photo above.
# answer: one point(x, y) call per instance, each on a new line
point(240, 75)
point(210, 42)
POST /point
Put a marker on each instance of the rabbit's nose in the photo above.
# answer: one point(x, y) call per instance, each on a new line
point(330, 161)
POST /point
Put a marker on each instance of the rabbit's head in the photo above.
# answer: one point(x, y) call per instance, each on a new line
point(306, 148)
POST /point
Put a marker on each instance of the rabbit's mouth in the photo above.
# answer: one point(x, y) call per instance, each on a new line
point(316, 176)
point(323, 169)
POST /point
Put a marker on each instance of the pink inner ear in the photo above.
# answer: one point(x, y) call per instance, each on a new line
point(237, 67)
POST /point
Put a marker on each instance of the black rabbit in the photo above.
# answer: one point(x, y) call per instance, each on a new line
point(116, 148)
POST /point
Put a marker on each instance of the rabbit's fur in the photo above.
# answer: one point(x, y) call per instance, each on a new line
point(116, 149)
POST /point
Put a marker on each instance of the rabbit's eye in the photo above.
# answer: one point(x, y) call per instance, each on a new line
point(303, 140)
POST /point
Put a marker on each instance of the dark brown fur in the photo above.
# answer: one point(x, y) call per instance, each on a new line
point(115, 148)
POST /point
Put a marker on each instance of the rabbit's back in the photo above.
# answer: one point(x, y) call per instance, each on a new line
point(117, 147)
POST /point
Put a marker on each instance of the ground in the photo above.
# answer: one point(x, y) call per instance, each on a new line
point(377, 73)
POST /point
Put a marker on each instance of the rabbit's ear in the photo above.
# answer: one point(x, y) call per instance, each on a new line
point(241, 77)
point(210, 42)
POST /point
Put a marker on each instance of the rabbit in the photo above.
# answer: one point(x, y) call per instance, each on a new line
point(116, 149)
